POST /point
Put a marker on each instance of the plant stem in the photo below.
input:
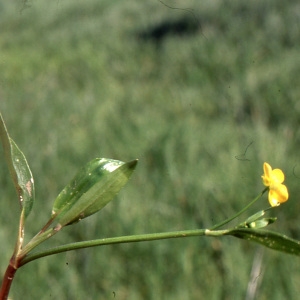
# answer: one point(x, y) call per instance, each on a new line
point(13, 263)
point(119, 240)
point(7, 281)
point(240, 212)
point(35, 241)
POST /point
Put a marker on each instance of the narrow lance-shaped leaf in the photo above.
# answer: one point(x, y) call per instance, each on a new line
point(269, 239)
point(91, 189)
point(19, 170)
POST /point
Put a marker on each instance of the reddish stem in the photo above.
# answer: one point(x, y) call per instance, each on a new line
point(7, 281)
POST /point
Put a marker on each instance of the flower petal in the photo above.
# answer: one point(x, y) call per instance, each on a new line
point(278, 193)
point(267, 177)
point(277, 176)
point(272, 197)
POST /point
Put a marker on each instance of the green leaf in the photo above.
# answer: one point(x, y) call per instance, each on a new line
point(19, 170)
point(251, 219)
point(255, 217)
point(91, 189)
point(269, 239)
point(261, 223)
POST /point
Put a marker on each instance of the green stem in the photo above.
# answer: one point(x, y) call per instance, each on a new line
point(38, 239)
point(240, 212)
point(119, 240)
point(126, 239)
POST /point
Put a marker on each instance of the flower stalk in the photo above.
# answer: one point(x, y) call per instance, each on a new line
point(239, 213)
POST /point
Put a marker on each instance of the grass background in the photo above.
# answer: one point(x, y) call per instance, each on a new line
point(119, 79)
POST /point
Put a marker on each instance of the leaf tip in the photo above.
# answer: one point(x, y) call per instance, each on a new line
point(133, 163)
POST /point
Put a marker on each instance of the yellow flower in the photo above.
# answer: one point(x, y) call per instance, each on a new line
point(278, 192)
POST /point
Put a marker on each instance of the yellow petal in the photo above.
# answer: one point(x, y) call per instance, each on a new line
point(267, 177)
point(277, 176)
point(278, 193)
point(273, 199)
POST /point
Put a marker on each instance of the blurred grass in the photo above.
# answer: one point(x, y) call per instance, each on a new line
point(87, 79)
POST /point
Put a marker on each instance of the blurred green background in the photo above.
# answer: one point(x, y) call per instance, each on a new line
point(185, 91)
